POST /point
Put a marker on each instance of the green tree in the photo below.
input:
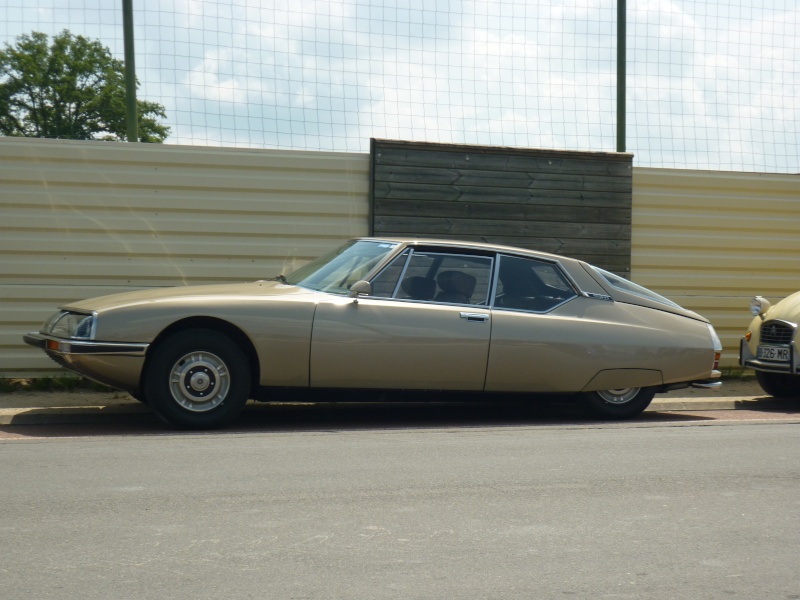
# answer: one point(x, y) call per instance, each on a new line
point(70, 89)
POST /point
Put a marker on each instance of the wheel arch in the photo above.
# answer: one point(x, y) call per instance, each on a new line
point(610, 379)
point(779, 385)
point(239, 337)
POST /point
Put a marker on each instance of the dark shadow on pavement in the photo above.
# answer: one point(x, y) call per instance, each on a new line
point(341, 413)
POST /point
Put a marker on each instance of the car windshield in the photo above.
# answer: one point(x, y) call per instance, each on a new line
point(336, 271)
point(632, 288)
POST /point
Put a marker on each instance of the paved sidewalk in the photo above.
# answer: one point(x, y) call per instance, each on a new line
point(25, 408)
point(33, 408)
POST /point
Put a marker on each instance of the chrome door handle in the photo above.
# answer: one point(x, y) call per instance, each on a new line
point(470, 316)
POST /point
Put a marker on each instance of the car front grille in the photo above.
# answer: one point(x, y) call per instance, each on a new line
point(777, 332)
point(60, 360)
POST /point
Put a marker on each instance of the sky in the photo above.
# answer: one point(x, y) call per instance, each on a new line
point(710, 84)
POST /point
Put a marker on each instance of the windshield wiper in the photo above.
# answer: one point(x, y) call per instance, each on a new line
point(280, 278)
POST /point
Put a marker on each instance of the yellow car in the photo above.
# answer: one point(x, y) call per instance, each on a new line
point(770, 345)
point(391, 314)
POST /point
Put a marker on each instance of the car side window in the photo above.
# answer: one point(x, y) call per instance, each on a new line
point(436, 277)
point(385, 283)
point(531, 285)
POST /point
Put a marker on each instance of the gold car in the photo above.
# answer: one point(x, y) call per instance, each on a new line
point(391, 314)
point(770, 345)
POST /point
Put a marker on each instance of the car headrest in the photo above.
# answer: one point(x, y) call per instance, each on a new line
point(456, 282)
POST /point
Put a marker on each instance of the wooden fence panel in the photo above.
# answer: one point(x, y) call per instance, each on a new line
point(572, 203)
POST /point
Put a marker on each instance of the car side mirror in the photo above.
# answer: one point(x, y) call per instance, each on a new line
point(360, 288)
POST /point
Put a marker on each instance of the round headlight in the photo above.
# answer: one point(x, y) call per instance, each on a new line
point(759, 306)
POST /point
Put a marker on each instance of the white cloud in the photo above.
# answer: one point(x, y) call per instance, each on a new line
point(709, 83)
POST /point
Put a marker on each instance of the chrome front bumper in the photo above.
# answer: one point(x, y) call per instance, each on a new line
point(52, 344)
point(115, 364)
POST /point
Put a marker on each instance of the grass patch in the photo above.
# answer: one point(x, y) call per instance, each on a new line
point(51, 384)
point(738, 373)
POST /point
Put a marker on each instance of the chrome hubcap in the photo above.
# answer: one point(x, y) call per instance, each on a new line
point(199, 381)
point(620, 396)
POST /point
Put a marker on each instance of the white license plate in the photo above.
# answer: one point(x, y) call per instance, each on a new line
point(777, 353)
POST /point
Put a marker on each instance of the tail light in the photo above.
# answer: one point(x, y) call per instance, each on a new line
point(717, 347)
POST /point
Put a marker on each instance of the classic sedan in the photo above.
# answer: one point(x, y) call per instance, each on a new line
point(391, 314)
point(770, 345)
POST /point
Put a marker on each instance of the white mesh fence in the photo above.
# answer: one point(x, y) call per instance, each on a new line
point(711, 84)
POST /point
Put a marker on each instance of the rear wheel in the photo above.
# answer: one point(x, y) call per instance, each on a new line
point(780, 385)
point(197, 379)
point(624, 403)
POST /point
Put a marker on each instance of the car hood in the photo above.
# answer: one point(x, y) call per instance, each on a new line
point(787, 309)
point(159, 295)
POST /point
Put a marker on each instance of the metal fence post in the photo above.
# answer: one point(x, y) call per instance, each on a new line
point(130, 72)
point(620, 75)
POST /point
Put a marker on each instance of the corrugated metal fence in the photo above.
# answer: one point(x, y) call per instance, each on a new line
point(80, 219)
point(710, 241)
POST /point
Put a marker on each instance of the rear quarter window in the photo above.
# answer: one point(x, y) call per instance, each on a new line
point(622, 284)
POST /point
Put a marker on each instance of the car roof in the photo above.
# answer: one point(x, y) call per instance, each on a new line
point(449, 243)
point(581, 276)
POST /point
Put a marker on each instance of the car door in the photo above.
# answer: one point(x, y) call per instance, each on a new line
point(537, 341)
point(426, 325)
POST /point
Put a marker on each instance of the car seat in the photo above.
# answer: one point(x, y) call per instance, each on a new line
point(418, 288)
point(456, 287)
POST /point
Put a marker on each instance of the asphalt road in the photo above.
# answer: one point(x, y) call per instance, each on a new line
point(423, 504)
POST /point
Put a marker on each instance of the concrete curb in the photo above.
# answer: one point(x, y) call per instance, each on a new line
point(728, 403)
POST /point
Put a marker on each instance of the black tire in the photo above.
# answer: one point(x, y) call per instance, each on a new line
point(197, 379)
point(624, 403)
point(780, 385)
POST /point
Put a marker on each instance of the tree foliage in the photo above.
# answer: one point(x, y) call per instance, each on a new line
point(71, 88)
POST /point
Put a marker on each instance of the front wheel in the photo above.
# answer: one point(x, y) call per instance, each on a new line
point(197, 379)
point(780, 385)
point(624, 403)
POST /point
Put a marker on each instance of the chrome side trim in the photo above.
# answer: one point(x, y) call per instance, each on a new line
point(535, 312)
point(83, 347)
